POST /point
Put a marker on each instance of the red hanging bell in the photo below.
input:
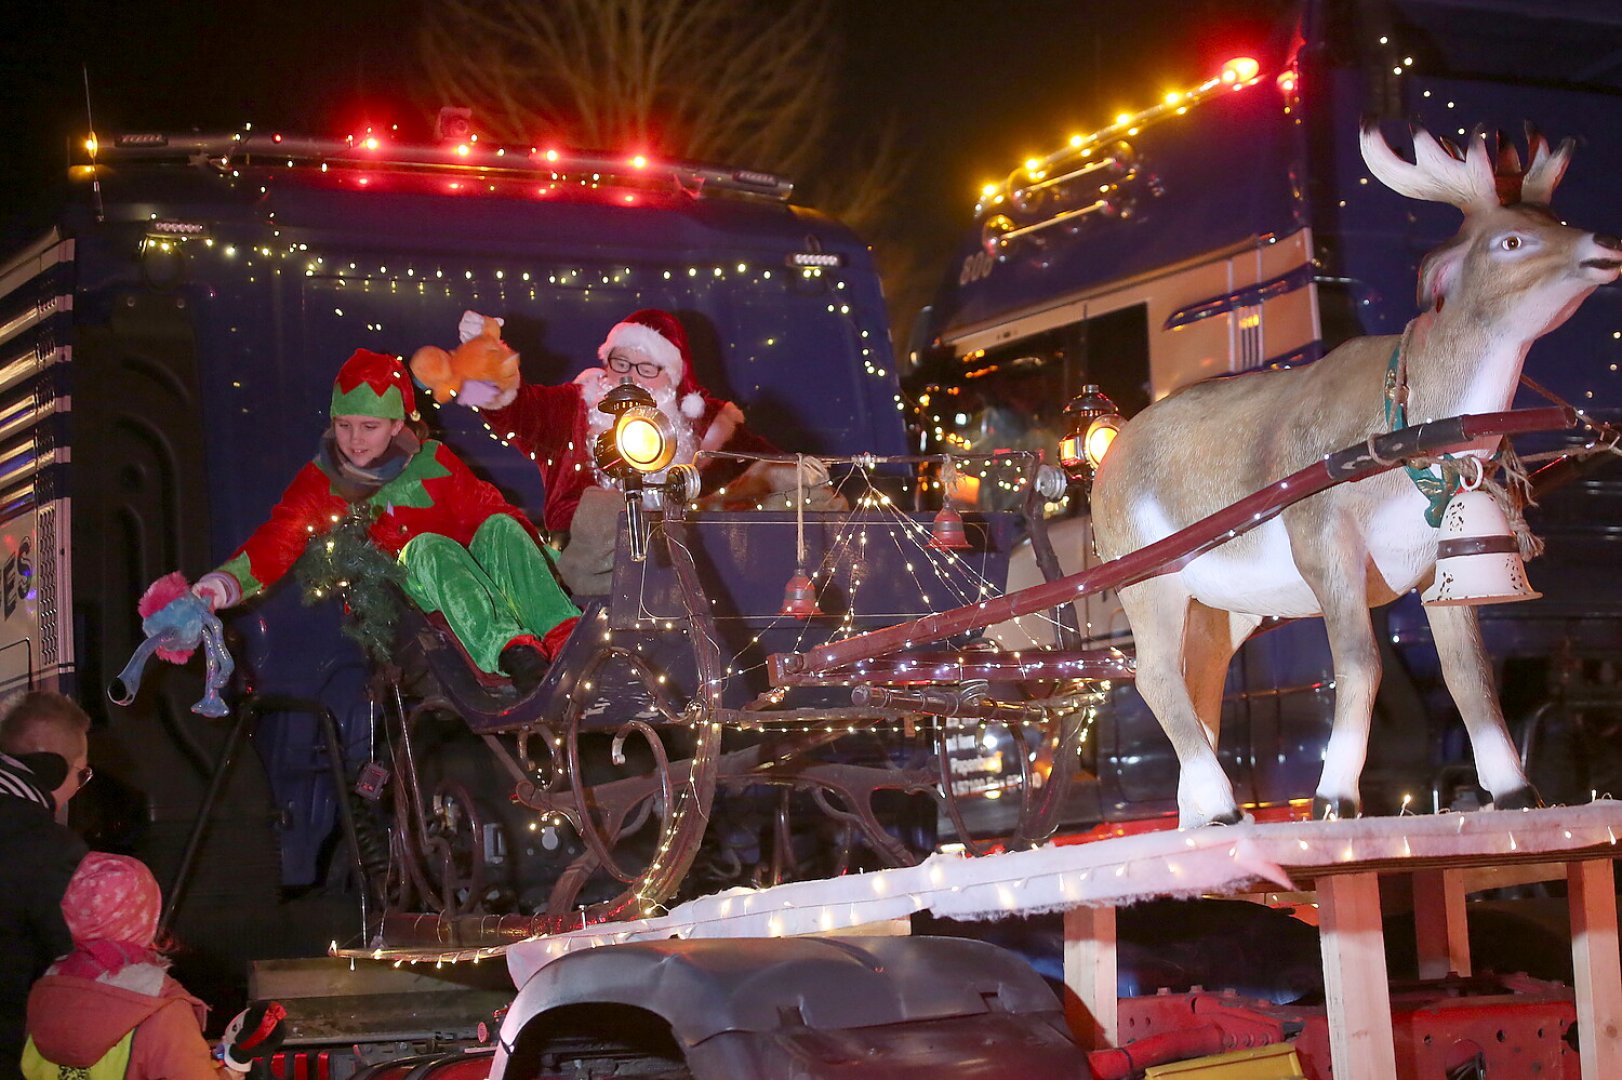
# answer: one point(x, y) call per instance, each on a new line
point(946, 532)
point(800, 597)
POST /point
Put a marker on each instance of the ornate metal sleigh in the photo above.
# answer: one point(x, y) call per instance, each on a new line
point(692, 686)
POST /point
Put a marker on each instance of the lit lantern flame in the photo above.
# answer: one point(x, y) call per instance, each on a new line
point(642, 436)
point(1100, 437)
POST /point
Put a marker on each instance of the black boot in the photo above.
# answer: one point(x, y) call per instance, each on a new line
point(524, 665)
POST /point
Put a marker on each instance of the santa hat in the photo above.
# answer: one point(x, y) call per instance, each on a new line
point(373, 384)
point(660, 336)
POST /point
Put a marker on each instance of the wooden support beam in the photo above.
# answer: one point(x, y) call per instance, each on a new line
point(1441, 932)
point(1091, 1006)
point(1357, 992)
point(1591, 893)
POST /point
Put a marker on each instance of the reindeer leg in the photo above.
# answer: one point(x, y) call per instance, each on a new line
point(1210, 639)
point(1158, 610)
point(1469, 679)
point(1340, 584)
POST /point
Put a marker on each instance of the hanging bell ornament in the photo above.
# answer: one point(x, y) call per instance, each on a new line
point(946, 532)
point(1478, 560)
point(800, 597)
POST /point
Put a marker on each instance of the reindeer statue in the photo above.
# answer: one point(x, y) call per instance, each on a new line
point(1513, 273)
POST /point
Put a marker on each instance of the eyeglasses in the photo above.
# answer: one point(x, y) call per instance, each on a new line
point(85, 774)
point(621, 366)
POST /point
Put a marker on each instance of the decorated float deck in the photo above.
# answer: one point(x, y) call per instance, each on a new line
point(1333, 865)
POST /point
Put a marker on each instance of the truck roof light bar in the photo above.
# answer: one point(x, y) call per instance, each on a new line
point(816, 258)
point(1236, 74)
point(169, 228)
point(225, 150)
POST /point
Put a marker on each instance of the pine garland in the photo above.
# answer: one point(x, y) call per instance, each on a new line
point(344, 562)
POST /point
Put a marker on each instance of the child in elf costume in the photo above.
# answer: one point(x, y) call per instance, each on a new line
point(468, 554)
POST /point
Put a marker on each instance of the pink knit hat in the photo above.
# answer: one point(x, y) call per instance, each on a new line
point(112, 898)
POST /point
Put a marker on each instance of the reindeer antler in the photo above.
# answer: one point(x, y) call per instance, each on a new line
point(1543, 168)
point(1440, 173)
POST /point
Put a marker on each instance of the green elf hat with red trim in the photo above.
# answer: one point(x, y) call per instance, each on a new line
point(373, 384)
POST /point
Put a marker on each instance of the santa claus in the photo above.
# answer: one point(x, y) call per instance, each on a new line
point(558, 425)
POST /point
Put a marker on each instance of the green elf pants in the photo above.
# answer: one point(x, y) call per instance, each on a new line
point(501, 586)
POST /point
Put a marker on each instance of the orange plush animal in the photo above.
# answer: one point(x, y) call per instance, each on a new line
point(482, 355)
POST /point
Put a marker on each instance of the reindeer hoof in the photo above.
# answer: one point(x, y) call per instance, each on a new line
point(1524, 798)
point(1232, 817)
point(1333, 809)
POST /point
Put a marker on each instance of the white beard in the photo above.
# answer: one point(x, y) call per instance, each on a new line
point(597, 382)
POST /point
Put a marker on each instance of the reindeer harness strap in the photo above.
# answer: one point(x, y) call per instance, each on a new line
point(1439, 481)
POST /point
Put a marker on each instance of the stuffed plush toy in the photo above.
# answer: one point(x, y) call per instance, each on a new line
point(482, 355)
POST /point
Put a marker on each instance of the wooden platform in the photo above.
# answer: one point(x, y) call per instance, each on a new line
point(1340, 862)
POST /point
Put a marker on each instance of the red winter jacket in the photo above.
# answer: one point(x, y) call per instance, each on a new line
point(435, 493)
point(74, 1022)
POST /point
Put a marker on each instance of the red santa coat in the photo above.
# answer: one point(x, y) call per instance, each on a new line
point(435, 493)
point(549, 424)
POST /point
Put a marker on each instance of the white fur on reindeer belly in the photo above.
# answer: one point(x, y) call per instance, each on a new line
point(1400, 543)
point(1254, 574)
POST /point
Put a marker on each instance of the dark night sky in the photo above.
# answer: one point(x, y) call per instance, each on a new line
point(978, 84)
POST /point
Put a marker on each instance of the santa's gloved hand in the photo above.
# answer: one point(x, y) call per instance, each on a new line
point(255, 1032)
point(789, 476)
point(813, 470)
point(479, 394)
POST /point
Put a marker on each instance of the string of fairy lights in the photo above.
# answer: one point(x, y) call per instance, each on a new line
point(1036, 173)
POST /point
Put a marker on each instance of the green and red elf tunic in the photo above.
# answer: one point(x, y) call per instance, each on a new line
point(469, 554)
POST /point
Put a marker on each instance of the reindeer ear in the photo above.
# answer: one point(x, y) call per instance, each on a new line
point(1438, 273)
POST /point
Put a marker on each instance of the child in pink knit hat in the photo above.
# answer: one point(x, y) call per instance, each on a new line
point(85, 1013)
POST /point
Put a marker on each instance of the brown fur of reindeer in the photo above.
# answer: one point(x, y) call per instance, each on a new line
point(1511, 274)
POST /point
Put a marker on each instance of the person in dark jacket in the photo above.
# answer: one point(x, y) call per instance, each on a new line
point(43, 752)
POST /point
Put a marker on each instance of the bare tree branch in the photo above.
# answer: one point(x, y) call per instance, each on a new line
point(711, 80)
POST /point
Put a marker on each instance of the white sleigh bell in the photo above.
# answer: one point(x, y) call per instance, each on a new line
point(1478, 560)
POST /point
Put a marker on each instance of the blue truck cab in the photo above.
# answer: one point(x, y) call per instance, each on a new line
point(1230, 225)
point(167, 353)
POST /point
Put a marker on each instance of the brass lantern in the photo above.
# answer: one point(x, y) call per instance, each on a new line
point(641, 439)
point(1091, 424)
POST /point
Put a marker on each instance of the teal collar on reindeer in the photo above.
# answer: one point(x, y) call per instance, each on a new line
point(1438, 482)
